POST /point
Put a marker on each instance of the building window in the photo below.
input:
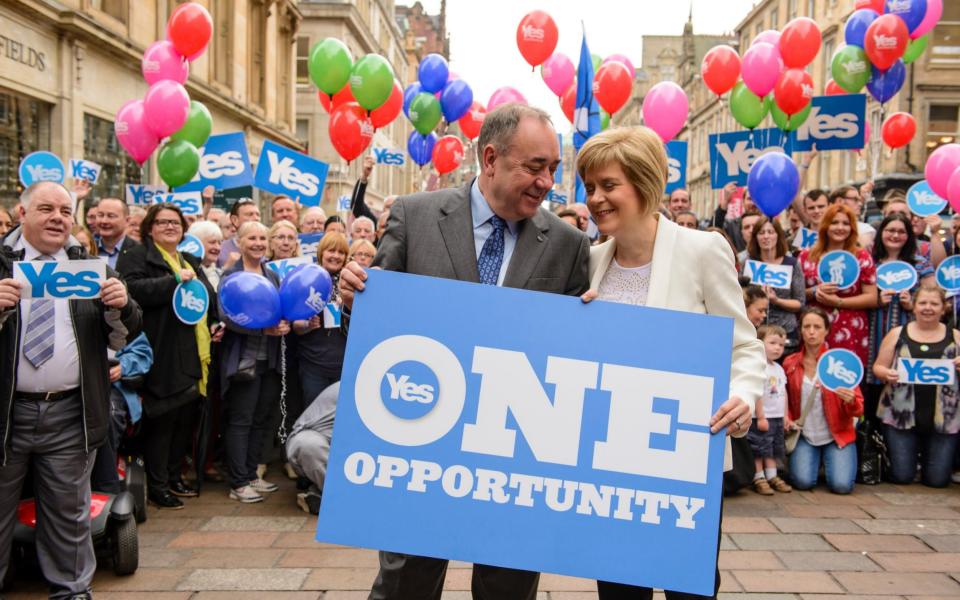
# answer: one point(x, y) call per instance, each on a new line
point(257, 45)
point(100, 146)
point(24, 128)
point(945, 45)
point(792, 9)
point(828, 46)
point(942, 126)
point(303, 132)
point(775, 18)
point(758, 29)
point(285, 92)
point(812, 9)
point(115, 8)
point(223, 42)
point(303, 59)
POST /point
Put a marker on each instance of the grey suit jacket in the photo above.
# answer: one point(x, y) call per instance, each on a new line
point(431, 233)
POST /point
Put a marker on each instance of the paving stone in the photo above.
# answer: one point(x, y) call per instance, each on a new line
point(157, 525)
point(745, 596)
point(942, 543)
point(254, 524)
point(312, 557)
point(747, 525)
point(161, 557)
point(230, 558)
point(358, 579)
point(140, 595)
point(747, 509)
point(912, 512)
point(274, 595)
point(568, 595)
point(757, 559)
point(848, 597)
point(787, 581)
point(943, 562)
point(910, 526)
point(779, 541)
point(831, 511)
point(144, 580)
point(822, 495)
point(561, 583)
point(244, 579)
point(729, 583)
point(795, 525)
point(223, 539)
point(897, 583)
point(873, 543)
point(726, 543)
point(920, 499)
point(827, 561)
point(153, 540)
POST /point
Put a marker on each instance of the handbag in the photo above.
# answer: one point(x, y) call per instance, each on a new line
point(791, 438)
point(872, 450)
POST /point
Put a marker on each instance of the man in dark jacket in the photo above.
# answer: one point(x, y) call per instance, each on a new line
point(55, 390)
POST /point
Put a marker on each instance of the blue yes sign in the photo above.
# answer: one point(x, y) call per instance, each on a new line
point(896, 276)
point(923, 201)
point(542, 450)
point(85, 170)
point(840, 268)
point(839, 368)
point(60, 279)
point(676, 165)
point(283, 171)
point(926, 371)
point(732, 154)
point(286, 266)
point(948, 274)
point(775, 276)
point(389, 157)
point(189, 203)
point(190, 301)
point(41, 166)
point(834, 123)
point(224, 164)
point(143, 195)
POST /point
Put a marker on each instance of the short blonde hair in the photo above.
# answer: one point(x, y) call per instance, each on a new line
point(640, 153)
point(277, 226)
point(250, 225)
point(360, 243)
point(332, 241)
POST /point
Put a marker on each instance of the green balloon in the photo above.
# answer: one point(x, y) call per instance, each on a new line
point(915, 48)
point(329, 65)
point(424, 112)
point(789, 123)
point(850, 68)
point(747, 108)
point(198, 126)
point(178, 162)
point(604, 119)
point(371, 81)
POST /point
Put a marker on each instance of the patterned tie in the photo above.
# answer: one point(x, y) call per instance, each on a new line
point(491, 255)
point(38, 342)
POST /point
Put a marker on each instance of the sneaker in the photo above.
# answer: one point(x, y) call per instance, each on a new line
point(955, 477)
point(245, 494)
point(289, 471)
point(309, 502)
point(261, 471)
point(761, 487)
point(262, 485)
point(780, 485)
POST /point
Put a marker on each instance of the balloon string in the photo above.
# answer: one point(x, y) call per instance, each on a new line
point(282, 431)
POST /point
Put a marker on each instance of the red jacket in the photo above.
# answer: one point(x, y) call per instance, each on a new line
point(840, 415)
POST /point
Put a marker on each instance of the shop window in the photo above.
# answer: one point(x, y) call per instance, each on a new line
point(24, 128)
point(942, 126)
point(100, 146)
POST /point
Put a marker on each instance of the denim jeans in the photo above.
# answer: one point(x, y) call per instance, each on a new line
point(839, 464)
point(248, 405)
point(936, 452)
point(313, 383)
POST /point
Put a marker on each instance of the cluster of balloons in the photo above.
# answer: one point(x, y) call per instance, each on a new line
point(251, 300)
point(166, 111)
point(438, 94)
point(943, 173)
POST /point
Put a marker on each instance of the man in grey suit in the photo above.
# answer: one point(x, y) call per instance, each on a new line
point(492, 231)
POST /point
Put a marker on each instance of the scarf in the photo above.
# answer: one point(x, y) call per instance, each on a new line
point(176, 263)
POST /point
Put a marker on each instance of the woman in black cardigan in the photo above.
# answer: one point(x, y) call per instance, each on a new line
point(181, 352)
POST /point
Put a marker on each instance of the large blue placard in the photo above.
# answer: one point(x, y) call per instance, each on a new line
point(732, 154)
point(676, 165)
point(834, 123)
point(281, 170)
point(471, 427)
point(224, 164)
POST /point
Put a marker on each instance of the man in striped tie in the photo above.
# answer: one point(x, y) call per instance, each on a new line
point(54, 390)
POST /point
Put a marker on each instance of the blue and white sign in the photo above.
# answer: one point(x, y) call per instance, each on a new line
point(839, 368)
point(732, 154)
point(805, 238)
point(85, 170)
point(775, 276)
point(676, 165)
point(281, 170)
point(948, 274)
point(926, 371)
point(41, 166)
point(922, 200)
point(834, 123)
point(555, 197)
point(309, 243)
point(343, 204)
point(191, 244)
point(285, 266)
point(896, 276)
point(190, 302)
point(224, 164)
point(558, 174)
point(189, 203)
point(60, 279)
point(541, 449)
point(331, 315)
point(389, 157)
point(142, 195)
point(839, 267)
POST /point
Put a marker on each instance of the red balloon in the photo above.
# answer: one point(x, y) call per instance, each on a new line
point(833, 88)
point(799, 42)
point(471, 122)
point(324, 101)
point(536, 37)
point(720, 69)
point(447, 154)
point(612, 86)
point(886, 41)
point(876, 6)
point(568, 101)
point(388, 111)
point(898, 129)
point(189, 29)
point(793, 91)
point(341, 97)
point(350, 130)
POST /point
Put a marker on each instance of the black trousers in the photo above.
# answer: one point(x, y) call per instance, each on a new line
point(406, 577)
point(166, 441)
point(248, 407)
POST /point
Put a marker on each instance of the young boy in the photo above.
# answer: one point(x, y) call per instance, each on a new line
point(766, 431)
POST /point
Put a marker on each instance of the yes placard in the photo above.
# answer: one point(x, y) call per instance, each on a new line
point(676, 165)
point(926, 371)
point(60, 279)
point(775, 276)
point(85, 170)
point(284, 171)
point(189, 203)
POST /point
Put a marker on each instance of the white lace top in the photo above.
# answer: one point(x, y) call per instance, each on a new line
point(625, 285)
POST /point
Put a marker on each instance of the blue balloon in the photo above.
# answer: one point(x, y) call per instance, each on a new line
point(911, 11)
point(304, 292)
point(433, 73)
point(856, 29)
point(250, 300)
point(884, 85)
point(455, 100)
point(420, 147)
point(409, 94)
point(773, 182)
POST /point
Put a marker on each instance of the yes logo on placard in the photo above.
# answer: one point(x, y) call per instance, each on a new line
point(191, 244)
point(839, 267)
point(920, 371)
point(834, 123)
point(676, 165)
point(281, 170)
point(189, 203)
point(805, 238)
point(190, 301)
point(386, 156)
point(40, 166)
point(85, 170)
point(556, 197)
point(284, 267)
point(948, 274)
point(224, 164)
point(732, 154)
point(72, 279)
point(308, 244)
point(409, 389)
point(922, 200)
point(896, 276)
point(143, 195)
point(839, 368)
point(776, 276)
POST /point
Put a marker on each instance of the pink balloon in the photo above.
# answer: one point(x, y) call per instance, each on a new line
point(161, 61)
point(623, 60)
point(132, 132)
point(557, 72)
point(665, 109)
point(166, 107)
point(770, 36)
point(953, 189)
point(504, 95)
point(760, 68)
point(930, 19)
point(940, 167)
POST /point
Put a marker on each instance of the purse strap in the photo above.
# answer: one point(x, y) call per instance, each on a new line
point(807, 405)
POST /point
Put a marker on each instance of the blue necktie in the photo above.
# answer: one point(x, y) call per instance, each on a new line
point(38, 341)
point(491, 255)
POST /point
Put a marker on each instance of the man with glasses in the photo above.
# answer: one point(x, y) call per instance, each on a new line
point(242, 211)
point(112, 216)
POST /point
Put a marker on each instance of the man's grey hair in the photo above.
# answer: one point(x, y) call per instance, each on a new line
point(28, 193)
point(501, 124)
point(205, 230)
point(137, 211)
point(367, 219)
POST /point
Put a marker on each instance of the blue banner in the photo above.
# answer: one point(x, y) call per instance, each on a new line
point(834, 123)
point(281, 170)
point(224, 163)
point(677, 165)
point(505, 440)
point(732, 154)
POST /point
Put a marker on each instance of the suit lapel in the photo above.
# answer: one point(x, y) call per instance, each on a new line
point(660, 271)
point(531, 242)
point(456, 227)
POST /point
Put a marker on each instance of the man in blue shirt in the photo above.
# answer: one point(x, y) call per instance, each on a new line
point(112, 216)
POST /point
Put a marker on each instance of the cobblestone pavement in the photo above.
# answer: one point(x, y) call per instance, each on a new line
point(889, 542)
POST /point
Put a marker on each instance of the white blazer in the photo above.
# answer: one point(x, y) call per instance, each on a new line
point(707, 284)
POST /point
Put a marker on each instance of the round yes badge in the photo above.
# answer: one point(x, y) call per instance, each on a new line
point(191, 244)
point(839, 267)
point(190, 301)
point(922, 201)
point(839, 368)
point(896, 276)
point(948, 274)
point(41, 166)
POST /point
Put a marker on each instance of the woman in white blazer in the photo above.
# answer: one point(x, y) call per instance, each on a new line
point(651, 261)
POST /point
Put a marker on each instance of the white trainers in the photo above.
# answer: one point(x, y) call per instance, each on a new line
point(261, 470)
point(263, 486)
point(245, 494)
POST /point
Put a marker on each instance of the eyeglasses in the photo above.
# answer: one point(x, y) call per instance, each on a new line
point(363, 254)
point(161, 223)
point(895, 232)
point(855, 198)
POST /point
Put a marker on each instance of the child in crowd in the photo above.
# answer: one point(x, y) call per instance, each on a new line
point(766, 431)
point(757, 304)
